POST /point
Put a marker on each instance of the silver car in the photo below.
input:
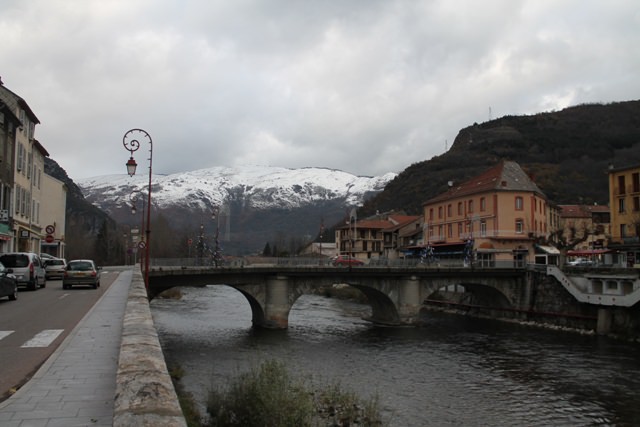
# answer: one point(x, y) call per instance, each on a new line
point(54, 268)
point(81, 272)
point(27, 267)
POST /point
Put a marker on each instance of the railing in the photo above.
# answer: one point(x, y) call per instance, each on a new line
point(326, 262)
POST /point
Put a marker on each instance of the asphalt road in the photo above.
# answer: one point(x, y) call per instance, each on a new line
point(32, 327)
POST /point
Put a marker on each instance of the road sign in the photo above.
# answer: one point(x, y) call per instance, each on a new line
point(142, 245)
point(49, 238)
point(50, 229)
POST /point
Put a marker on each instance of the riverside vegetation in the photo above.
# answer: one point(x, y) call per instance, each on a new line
point(267, 395)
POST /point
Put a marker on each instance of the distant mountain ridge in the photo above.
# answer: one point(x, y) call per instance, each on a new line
point(567, 153)
point(258, 202)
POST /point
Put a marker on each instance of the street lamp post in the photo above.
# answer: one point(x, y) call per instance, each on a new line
point(216, 250)
point(133, 199)
point(131, 143)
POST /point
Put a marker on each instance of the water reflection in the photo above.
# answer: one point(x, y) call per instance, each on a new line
point(452, 371)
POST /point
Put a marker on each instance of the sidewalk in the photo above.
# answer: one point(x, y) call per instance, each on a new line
point(76, 385)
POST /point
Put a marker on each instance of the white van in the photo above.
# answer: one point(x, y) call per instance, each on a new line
point(27, 267)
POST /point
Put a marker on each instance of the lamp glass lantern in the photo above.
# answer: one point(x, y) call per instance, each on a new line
point(131, 166)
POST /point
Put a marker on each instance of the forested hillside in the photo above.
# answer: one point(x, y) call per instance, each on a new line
point(566, 152)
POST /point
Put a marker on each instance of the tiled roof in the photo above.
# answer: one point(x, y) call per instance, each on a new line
point(581, 211)
point(505, 176)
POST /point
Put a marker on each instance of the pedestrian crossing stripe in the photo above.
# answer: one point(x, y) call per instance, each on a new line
point(43, 339)
point(5, 334)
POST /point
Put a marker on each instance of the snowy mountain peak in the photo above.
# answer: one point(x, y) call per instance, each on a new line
point(260, 187)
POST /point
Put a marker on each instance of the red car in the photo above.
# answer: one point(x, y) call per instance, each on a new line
point(346, 260)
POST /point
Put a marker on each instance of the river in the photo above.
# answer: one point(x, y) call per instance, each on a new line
point(455, 371)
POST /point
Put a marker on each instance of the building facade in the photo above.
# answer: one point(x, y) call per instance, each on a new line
point(9, 125)
point(624, 202)
point(24, 196)
point(492, 218)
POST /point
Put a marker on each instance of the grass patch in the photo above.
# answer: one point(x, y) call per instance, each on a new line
point(269, 396)
point(344, 292)
point(171, 293)
point(187, 403)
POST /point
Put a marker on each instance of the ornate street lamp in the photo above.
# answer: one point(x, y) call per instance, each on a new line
point(131, 142)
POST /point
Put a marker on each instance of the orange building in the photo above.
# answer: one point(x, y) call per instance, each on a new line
point(624, 201)
point(498, 215)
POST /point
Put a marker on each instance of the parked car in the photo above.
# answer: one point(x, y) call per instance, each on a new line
point(81, 272)
point(27, 267)
point(45, 256)
point(346, 260)
point(581, 262)
point(54, 268)
point(8, 283)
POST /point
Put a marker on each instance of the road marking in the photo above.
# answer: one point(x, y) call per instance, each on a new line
point(43, 339)
point(4, 334)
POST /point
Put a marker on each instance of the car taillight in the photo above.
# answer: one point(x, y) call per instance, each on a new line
point(31, 271)
point(93, 274)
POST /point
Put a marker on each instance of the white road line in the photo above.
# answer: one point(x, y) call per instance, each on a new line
point(4, 334)
point(43, 339)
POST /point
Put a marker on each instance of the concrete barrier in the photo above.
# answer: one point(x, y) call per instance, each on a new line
point(145, 395)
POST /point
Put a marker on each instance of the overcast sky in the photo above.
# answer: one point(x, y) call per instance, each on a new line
point(364, 86)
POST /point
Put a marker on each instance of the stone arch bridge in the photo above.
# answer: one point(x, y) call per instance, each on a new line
point(395, 294)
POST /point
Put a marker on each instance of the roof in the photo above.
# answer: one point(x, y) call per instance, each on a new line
point(505, 176)
point(11, 98)
point(581, 211)
point(393, 222)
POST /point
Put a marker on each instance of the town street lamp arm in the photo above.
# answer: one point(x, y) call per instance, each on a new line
point(131, 142)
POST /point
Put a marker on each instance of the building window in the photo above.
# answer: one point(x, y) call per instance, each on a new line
point(459, 208)
point(519, 226)
point(483, 228)
point(635, 178)
point(431, 214)
point(519, 203)
point(439, 212)
point(483, 204)
point(450, 230)
point(449, 211)
point(470, 206)
point(623, 230)
point(621, 205)
point(621, 184)
point(460, 229)
point(18, 195)
point(636, 204)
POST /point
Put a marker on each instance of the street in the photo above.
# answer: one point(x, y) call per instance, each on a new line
point(33, 327)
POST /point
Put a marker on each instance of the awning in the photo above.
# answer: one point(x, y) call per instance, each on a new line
point(588, 252)
point(5, 232)
point(448, 248)
point(548, 249)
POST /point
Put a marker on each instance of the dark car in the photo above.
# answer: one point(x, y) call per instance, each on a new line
point(54, 268)
point(8, 284)
point(346, 260)
point(81, 272)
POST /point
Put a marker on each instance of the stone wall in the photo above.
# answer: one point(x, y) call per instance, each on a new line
point(145, 395)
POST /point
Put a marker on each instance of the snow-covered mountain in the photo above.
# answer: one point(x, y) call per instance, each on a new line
point(261, 187)
point(259, 200)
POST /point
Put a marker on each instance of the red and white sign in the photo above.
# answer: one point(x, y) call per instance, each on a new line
point(49, 238)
